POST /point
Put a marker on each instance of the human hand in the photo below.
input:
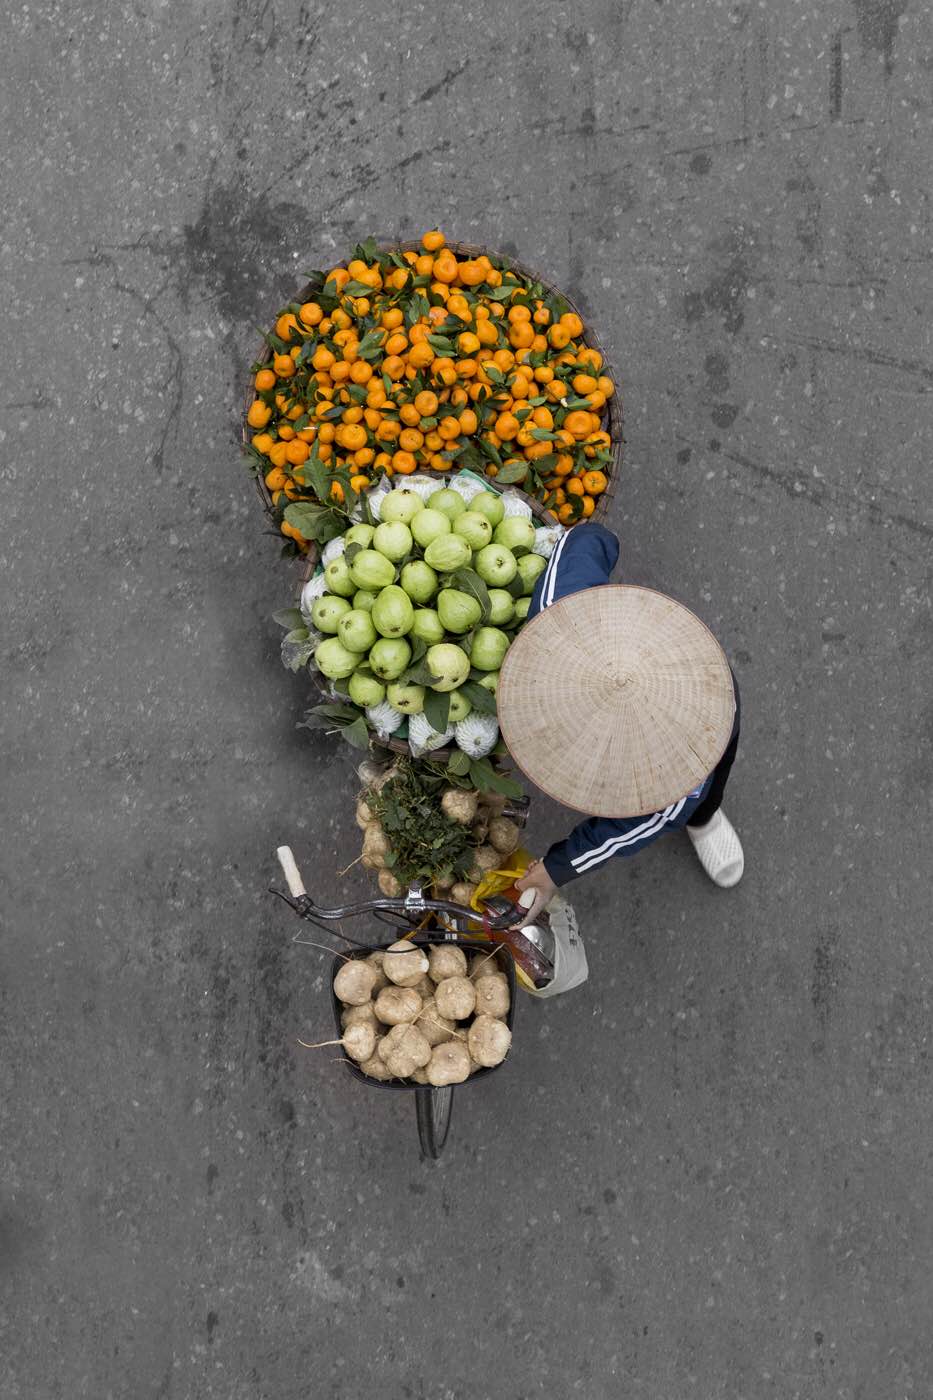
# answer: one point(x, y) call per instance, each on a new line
point(536, 878)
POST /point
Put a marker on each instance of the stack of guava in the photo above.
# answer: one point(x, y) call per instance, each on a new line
point(419, 611)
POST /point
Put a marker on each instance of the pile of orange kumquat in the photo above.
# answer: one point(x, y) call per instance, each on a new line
point(429, 361)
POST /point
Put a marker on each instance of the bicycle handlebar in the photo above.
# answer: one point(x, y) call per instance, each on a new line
point(413, 903)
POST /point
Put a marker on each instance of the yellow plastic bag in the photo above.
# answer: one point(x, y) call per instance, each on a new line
point(495, 881)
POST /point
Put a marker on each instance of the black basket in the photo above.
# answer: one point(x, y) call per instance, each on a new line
point(429, 939)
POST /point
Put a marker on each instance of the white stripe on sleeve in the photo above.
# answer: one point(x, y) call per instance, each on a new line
point(550, 574)
point(587, 859)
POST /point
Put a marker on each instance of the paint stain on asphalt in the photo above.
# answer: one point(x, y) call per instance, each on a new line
point(878, 22)
point(826, 969)
point(724, 293)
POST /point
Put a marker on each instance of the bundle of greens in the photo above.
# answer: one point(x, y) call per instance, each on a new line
point(416, 827)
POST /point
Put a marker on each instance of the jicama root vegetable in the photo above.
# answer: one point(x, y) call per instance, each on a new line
point(396, 1005)
point(503, 835)
point(364, 813)
point(359, 1042)
point(403, 963)
point(460, 806)
point(488, 1041)
point(449, 1063)
point(424, 987)
point(455, 998)
point(484, 965)
point(355, 981)
point(446, 960)
point(375, 960)
point(480, 829)
point(375, 846)
point(388, 884)
point(492, 995)
point(484, 858)
point(433, 1026)
point(375, 1067)
point(360, 1016)
point(420, 1076)
point(405, 1049)
point(462, 892)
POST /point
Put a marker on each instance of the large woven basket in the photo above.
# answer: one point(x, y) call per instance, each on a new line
point(612, 412)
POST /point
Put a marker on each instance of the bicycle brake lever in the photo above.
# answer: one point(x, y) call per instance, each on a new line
point(300, 905)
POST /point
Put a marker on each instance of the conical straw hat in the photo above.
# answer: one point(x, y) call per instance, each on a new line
point(616, 701)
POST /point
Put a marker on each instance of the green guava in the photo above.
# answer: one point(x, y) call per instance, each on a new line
point(429, 525)
point(489, 647)
point(448, 502)
point(516, 533)
point(389, 657)
point(530, 569)
point(371, 570)
point(419, 581)
point(474, 528)
point(393, 539)
point(460, 707)
point(360, 534)
point(401, 504)
point(448, 552)
point(458, 611)
point(365, 690)
point(488, 503)
point(408, 699)
point(428, 626)
point(392, 612)
point(334, 660)
point(496, 565)
point(449, 664)
point(339, 579)
point(502, 606)
point(327, 611)
point(355, 629)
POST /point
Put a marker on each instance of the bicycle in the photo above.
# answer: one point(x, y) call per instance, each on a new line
point(411, 915)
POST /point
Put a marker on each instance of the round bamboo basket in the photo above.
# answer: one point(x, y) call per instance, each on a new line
point(612, 414)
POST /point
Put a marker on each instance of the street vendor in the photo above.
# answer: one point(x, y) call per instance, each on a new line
point(619, 703)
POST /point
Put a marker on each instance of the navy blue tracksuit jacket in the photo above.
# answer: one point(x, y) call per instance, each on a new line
point(584, 558)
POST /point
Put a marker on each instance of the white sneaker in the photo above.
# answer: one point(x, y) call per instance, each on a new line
point(719, 850)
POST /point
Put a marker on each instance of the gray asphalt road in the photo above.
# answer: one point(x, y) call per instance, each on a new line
point(705, 1174)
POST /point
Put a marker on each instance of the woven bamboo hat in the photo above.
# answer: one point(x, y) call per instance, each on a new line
point(616, 701)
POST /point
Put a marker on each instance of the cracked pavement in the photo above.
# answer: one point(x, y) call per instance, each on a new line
point(704, 1173)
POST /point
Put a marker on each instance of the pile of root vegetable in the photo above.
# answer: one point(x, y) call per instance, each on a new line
point(424, 1015)
point(417, 829)
point(408, 361)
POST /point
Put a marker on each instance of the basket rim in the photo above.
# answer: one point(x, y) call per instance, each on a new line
point(446, 940)
point(591, 338)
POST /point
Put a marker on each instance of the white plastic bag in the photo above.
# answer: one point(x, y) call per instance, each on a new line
point(377, 495)
point(570, 966)
point(333, 550)
point(546, 537)
point(466, 487)
point(513, 504)
point(424, 485)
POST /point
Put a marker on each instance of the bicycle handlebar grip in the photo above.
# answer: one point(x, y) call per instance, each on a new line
point(290, 871)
